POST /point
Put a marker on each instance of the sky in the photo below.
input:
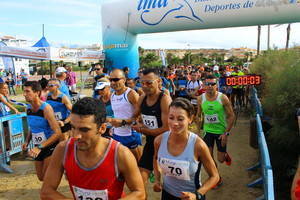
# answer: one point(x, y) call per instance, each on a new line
point(78, 22)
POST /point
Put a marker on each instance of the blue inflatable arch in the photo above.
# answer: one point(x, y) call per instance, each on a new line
point(122, 20)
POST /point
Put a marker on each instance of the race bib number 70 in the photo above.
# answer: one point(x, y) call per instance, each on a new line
point(176, 168)
point(85, 194)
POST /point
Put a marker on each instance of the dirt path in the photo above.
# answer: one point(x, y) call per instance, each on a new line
point(24, 185)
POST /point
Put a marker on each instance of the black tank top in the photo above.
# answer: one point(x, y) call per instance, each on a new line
point(151, 115)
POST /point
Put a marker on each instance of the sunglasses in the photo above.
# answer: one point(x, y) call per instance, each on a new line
point(52, 85)
point(101, 89)
point(114, 79)
point(97, 69)
point(147, 82)
point(210, 84)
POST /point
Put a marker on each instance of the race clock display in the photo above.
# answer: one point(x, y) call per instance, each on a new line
point(243, 80)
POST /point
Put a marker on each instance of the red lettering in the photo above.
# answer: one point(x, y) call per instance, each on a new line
point(252, 80)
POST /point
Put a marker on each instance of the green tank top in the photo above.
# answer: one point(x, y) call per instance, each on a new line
point(237, 74)
point(214, 115)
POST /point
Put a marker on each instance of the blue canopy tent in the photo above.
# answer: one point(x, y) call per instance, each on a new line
point(43, 43)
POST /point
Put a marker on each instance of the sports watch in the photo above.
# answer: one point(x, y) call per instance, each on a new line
point(227, 133)
point(199, 196)
point(40, 146)
point(123, 123)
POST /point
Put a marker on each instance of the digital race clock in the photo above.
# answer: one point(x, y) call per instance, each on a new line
point(243, 80)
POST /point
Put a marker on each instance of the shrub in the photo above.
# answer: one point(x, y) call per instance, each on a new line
point(280, 93)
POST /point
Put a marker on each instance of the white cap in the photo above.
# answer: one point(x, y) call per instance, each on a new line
point(60, 70)
point(101, 85)
point(216, 68)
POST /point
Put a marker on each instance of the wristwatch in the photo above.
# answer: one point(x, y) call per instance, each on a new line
point(123, 123)
point(227, 133)
point(199, 196)
point(40, 146)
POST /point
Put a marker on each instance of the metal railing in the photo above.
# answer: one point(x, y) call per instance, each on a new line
point(265, 164)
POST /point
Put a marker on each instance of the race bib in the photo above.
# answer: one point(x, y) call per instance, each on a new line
point(212, 119)
point(194, 101)
point(38, 138)
point(85, 194)
point(150, 121)
point(58, 115)
point(175, 168)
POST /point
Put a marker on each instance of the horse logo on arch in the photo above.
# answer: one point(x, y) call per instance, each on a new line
point(178, 8)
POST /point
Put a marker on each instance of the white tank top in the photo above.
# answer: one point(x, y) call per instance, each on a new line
point(122, 109)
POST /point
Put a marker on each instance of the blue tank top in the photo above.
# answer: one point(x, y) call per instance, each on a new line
point(182, 172)
point(64, 88)
point(182, 84)
point(4, 109)
point(60, 110)
point(38, 124)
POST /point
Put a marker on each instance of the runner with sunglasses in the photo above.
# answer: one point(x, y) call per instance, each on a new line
point(123, 101)
point(61, 105)
point(152, 109)
point(218, 119)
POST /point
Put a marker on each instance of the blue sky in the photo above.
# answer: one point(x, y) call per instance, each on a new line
point(78, 22)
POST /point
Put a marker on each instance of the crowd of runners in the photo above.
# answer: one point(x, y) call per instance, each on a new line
point(97, 143)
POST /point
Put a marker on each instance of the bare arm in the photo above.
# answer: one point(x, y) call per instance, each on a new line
point(164, 105)
point(68, 104)
point(129, 170)
point(53, 175)
point(203, 155)
point(49, 115)
point(229, 112)
point(2, 99)
point(157, 173)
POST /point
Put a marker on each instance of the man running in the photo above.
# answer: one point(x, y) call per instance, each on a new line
point(153, 108)
point(123, 101)
point(44, 130)
point(95, 167)
point(218, 119)
point(61, 105)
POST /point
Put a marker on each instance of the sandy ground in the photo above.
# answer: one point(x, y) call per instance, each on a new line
point(24, 185)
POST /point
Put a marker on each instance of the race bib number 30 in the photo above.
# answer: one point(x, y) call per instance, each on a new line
point(38, 138)
point(175, 168)
point(212, 119)
point(150, 121)
point(85, 194)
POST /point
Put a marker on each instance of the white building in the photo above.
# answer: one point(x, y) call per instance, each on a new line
point(18, 62)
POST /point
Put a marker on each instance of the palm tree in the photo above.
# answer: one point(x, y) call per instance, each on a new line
point(258, 39)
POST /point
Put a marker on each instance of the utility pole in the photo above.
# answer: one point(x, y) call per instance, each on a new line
point(268, 37)
point(288, 31)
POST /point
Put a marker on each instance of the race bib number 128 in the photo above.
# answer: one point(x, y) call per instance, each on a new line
point(85, 194)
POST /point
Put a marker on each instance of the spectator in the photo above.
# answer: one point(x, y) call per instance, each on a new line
point(24, 77)
point(11, 83)
point(71, 79)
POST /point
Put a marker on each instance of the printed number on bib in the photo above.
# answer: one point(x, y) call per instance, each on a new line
point(176, 168)
point(38, 138)
point(58, 115)
point(85, 194)
point(150, 121)
point(212, 119)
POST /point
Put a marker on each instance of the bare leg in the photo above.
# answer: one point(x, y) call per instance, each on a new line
point(145, 175)
point(137, 152)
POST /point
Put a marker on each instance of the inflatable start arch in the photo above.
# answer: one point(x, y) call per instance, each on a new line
point(122, 20)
